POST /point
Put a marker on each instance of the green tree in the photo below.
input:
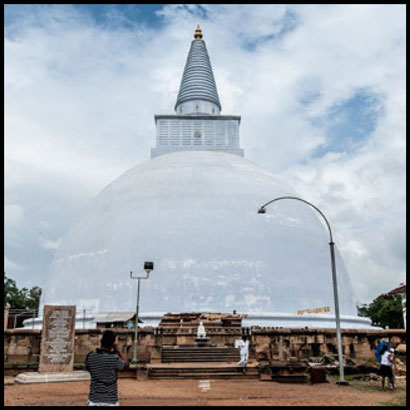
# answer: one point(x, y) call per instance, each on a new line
point(385, 310)
point(33, 297)
point(20, 298)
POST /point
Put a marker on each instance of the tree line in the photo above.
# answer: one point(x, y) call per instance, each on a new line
point(23, 298)
point(385, 311)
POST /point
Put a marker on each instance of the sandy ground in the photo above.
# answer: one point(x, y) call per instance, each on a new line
point(221, 393)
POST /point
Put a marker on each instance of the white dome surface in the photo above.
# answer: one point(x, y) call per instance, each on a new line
point(194, 214)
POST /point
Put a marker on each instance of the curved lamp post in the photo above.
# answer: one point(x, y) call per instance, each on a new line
point(148, 267)
point(262, 210)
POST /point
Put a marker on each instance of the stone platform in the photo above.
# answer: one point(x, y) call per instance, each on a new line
point(35, 377)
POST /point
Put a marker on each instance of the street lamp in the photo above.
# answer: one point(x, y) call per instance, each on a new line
point(262, 210)
point(148, 267)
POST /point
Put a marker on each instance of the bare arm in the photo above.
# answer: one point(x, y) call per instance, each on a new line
point(118, 350)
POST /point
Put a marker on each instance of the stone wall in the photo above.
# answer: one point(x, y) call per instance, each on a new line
point(23, 345)
point(281, 344)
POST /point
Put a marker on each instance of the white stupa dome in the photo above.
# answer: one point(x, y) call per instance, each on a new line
point(194, 214)
point(193, 211)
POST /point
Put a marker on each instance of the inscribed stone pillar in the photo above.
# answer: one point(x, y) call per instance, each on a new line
point(57, 339)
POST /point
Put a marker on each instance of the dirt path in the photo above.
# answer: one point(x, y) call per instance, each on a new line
point(221, 393)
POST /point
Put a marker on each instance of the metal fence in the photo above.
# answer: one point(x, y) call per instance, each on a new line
point(16, 317)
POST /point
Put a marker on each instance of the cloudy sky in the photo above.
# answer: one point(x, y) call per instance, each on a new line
point(320, 88)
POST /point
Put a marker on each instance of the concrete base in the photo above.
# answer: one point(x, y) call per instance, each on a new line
point(35, 377)
point(142, 373)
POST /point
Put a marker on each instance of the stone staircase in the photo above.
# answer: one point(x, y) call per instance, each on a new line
point(192, 362)
point(201, 371)
point(199, 354)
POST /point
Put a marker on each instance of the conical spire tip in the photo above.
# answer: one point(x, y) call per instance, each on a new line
point(198, 33)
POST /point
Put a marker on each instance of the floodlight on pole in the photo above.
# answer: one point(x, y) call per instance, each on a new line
point(262, 210)
point(148, 267)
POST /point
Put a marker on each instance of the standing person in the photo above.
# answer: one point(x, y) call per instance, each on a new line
point(386, 366)
point(103, 365)
point(244, 352)
point(379, 348)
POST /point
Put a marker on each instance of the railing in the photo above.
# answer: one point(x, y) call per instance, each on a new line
point(14, 314)
point(15, 317)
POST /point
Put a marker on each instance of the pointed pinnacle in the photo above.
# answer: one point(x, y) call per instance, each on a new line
point(198, 33)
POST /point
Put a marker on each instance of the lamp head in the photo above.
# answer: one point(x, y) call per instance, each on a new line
point(261, 210)
point(148, 266)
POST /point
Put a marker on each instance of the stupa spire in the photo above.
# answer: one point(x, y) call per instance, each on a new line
point(197, 92)
point(198, 33)
point(197, 124)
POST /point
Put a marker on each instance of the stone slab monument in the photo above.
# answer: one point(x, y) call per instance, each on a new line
point(57, 339)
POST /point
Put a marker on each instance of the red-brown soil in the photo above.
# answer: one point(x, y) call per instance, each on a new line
point(221, 393)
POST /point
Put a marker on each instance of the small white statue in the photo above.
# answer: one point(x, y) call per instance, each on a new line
point(201, 334)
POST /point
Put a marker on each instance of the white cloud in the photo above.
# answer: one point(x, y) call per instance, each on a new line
point(80, 101)
point(50, 244)
point(13, 215)
point(8, 264)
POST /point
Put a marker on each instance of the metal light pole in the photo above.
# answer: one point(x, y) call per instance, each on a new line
point(262, 210)
point(148, 267)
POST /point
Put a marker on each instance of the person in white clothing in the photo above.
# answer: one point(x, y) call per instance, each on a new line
point(386, 366)
point(244, 351)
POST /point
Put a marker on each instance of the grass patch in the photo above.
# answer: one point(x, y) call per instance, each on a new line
point(348, 377)
point(367, 387)
point(372, 387)
point(401, 402)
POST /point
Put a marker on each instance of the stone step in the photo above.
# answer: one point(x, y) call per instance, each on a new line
point(200, 349)
point(210, 354)
point(291, 378)
point(199, 354)
point(166, 352)
point(208, 369)
point(202, 373)
point(199, 360)
point(204, 376)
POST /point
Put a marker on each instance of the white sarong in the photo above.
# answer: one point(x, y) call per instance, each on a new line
point(244, 352)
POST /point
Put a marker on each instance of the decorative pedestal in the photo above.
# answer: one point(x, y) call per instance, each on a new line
point(202, 341)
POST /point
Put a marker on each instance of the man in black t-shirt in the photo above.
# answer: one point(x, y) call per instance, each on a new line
point(103, 365)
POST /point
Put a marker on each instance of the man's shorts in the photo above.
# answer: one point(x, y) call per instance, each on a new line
point(90, 403)
point(386, 371)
